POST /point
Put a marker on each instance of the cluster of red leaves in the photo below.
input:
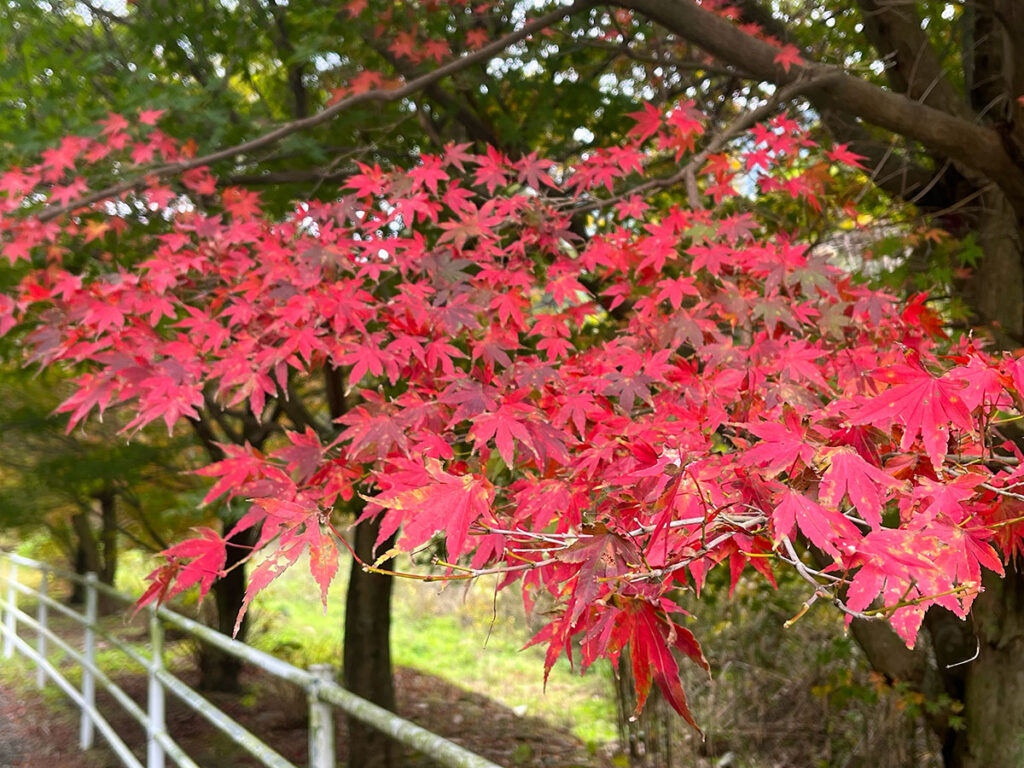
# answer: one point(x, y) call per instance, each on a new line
point(602, 416)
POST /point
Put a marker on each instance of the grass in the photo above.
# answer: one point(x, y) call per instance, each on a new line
point(472, 639)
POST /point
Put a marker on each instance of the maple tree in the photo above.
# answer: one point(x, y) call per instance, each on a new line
point(602, 410)
point(751, 393)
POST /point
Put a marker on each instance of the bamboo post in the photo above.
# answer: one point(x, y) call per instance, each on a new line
point(86, 731)
point(321, 720)
point(41, 617)
point(10, 621)
point(155, 701)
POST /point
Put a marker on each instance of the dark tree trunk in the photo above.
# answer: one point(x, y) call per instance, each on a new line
point(646, 738)
point(995, 291)
point(993, 684)
point(993, 734)
point(86, 558)
point(219, 671)
point(96, 554)
point(108, 536)
point(107, 547)
point(366, 663)
point(991, 687)
point(367, 657)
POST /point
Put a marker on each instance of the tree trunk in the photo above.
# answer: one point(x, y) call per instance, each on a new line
point(993, 684)
point(87, 556)
point(995, 291)
point(366, 662)
point(96, 554)
point(991, 687)
point(645, 738)
point(219, 671)
point(367, 656)
point(108, 536)
point(993, 736)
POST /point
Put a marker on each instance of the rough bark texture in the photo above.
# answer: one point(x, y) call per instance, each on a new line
point(996, 290)
point(956, 150)
point(994, 685)
point(367, 655)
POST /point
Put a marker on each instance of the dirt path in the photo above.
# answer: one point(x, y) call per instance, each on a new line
point(10, 735)
point(34, 734)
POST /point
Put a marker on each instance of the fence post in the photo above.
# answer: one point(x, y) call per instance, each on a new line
point(41, 616)
point(10, 622)
point(321, 720)
point(85, 732)
point(155, 700)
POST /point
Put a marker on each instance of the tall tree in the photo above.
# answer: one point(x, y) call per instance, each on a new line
point(932, 95)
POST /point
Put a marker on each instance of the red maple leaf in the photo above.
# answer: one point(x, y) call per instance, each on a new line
point(601, 555)
point(440, 501)
point(355, 7)
point(190, 562)
point(788, 56)
point(652, 635)
point(841, 153)
point(303, 456)
point(781, 447)
point(923, 405)
point(851, 476)
point(477, 38)
point(825, 528)
point(648, 122)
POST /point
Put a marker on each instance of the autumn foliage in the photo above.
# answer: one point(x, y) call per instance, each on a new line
point(551, 372)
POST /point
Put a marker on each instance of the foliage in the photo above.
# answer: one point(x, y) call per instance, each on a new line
point(49, 475)
point(551, 369)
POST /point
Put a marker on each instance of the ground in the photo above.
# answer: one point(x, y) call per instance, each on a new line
point(38, 733)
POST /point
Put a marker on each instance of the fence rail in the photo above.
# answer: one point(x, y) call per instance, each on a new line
point(322, 691)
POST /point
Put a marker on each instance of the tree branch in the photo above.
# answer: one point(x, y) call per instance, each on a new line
point(911, 64)
point(891, 170)
point(686, 174)
point(974, 147)
point(286, 129)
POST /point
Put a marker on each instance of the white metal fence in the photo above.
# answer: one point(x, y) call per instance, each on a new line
point(318, 681)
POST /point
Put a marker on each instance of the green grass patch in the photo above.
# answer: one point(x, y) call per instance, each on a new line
point(471, 638)
point(468, 638)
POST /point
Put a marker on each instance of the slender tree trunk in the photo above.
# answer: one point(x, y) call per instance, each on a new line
point(219, 671)
point(107, 548)
point(87, 557)
point(366, 662)
point(645, 738)
point(108, 536)
point(367, 656)
point(96, 553)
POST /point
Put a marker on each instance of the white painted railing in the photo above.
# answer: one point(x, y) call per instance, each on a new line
point(318, 681)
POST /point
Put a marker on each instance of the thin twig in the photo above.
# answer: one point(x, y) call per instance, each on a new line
point(742, 123)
